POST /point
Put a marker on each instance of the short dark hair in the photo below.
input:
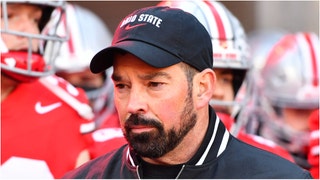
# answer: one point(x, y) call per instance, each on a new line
point(189, 71)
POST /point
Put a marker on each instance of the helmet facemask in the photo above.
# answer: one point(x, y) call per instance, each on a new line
point(26, 65)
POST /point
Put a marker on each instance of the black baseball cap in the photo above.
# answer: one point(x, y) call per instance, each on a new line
point(161, 37)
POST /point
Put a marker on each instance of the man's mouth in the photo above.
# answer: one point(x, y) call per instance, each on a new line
point(137, 129)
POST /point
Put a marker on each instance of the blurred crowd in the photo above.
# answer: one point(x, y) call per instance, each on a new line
point(56, 114)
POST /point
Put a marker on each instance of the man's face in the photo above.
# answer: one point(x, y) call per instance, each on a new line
point(155, 105)
point(22, 18)
point(84, 79)
point(224, 89)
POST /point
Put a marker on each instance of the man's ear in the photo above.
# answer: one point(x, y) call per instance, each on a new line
point(204, 86)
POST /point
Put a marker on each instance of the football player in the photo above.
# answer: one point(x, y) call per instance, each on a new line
point(44, 119)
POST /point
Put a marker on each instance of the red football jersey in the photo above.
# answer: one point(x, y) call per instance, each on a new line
point(40, 132)
point(257, 141)
point(107, 137)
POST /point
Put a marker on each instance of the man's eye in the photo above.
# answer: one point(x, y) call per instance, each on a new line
point(227, 80)
point(119, 86)
point(36, 20)
point(10, 15)
point(154, 84)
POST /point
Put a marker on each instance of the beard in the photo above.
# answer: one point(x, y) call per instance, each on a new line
point(158, 142)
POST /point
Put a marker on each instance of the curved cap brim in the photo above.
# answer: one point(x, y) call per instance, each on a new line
point(148, 53)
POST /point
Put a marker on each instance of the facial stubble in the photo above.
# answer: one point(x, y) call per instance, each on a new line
point(158, 142)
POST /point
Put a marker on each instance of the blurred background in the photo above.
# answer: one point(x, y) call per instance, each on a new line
point(292, 16)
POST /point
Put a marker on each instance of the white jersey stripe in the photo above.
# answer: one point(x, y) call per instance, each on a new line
point(130, 158)
point(224, 142)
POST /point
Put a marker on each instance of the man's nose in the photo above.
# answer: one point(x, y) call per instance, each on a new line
point(137, 102)
point(27, 25)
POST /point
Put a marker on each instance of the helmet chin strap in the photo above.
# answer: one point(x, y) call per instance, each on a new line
point(84, 110)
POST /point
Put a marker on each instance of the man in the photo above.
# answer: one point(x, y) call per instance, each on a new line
point(163, 78)
point(44, 119)
point(289, 93)
point(87, 35)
